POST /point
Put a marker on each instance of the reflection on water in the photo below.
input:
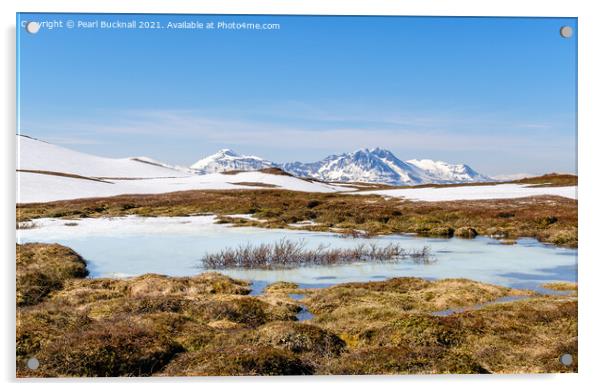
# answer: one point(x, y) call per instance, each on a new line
point(257, 287)
point(563, 272)
point(557, 273)
point(133, 245)
point(304, 314)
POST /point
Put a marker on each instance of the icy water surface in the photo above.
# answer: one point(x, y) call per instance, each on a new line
point(128, 246)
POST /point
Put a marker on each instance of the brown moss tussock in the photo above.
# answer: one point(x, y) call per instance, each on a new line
point(404, 360)
point(109, 348)
point(301, 338)
point(43, 268)
point(550, 180)
point(402, 294)
point(237, 361)
point(561, 286)
point(208, 325)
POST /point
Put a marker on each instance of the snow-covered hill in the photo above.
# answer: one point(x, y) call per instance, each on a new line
point(512, 177)
point(34, 187)
point(37, 155)
point(480, 192)
point(47, 172)
point(228, 160)
point(381, 166)
point(154, 162)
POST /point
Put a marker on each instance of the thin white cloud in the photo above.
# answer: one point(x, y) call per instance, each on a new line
point(484, 143)
point(394, 133)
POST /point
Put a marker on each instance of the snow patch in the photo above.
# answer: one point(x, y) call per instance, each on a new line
point(485, 192)
point(36, 155)
point(34, 187)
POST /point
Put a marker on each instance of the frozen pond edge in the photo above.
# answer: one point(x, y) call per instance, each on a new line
point(169, 245)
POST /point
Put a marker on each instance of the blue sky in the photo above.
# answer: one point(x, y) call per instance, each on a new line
point(495, 93)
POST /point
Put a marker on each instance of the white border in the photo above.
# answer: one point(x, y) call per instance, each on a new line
point(590, 151)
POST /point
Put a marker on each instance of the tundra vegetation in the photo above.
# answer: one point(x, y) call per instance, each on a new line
point(561, 286)
point(548, 218)
point(209, 325)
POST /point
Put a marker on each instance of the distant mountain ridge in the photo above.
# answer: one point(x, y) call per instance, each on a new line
point(228, 160)
point(365, 165)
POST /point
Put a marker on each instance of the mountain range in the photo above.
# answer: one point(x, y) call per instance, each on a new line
point(365, 165)
point(48, 172)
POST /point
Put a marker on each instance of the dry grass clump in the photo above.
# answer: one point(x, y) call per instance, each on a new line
point(190, 296)
point(466, 232)
point(39, 325)
point(403, 294)
point(561, 286)
point(415, 330)
point(281, 286)
point(550, 180)
point(238, 361)
point(188, 332)
point(547, 218)
point(439, 231)
point(460, 292)
point(301, 338)
point(524, 336)
point(43, 268)
point(286, 253)
point(563, 237)
point(206, 283)
point(388, 360)
point(145, 293)
point(395, 285)
point(250, 311)
point(107, 348)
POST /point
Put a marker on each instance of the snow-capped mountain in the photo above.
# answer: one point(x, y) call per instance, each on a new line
point(228, 160)
point(446, 172)
point(381, 166)
point(365, 165)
